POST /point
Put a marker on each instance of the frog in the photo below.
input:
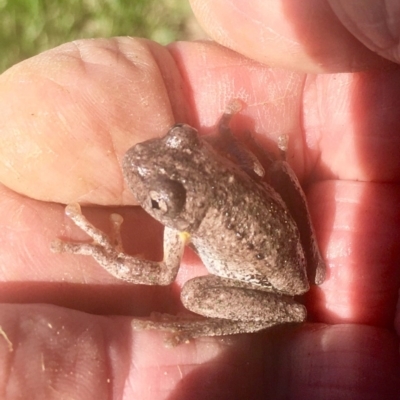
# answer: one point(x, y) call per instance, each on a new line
point(249, 224)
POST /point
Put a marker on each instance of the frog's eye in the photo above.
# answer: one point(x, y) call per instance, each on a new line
point(168, 199)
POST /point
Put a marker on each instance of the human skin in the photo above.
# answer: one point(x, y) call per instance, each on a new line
point(67, 117)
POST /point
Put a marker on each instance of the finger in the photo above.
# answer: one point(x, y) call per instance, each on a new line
point(357, 230)
point(73, 112)
point(373, 23)
point(68, 354)
point(308, 35)
point(357, 124)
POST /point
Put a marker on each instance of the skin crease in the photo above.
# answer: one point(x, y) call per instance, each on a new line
point(66, 119)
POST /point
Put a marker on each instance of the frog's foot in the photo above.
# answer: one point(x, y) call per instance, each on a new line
point(111, 244)
point(185, 328)
point(108, 252)
point(227, 144)
point(283, 141)
point(233, 107)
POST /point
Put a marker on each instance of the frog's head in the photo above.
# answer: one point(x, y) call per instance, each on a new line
point(166, 175)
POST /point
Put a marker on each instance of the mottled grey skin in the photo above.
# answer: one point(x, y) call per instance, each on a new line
point(240, 227)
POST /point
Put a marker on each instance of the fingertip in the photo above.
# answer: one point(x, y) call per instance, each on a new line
point(306, 36)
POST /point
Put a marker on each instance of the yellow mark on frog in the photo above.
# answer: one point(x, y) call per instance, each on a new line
point(185, 236)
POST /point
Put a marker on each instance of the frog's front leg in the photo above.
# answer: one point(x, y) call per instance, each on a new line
point(230, 306)
point(107, 251)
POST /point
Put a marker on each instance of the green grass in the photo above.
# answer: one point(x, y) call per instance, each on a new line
point(28, 27)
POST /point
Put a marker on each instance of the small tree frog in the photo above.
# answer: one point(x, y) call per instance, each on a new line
point(249, 225)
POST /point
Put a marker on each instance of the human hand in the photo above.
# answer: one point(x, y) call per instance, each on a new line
point(67, 118)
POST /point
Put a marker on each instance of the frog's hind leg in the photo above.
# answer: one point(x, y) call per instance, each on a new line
point(185, 328)
point(284, 180)
point(227, 145)
point(231, 307)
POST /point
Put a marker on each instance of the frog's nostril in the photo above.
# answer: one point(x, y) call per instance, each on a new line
point(155, 204)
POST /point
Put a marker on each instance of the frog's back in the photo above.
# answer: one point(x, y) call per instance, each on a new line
point(249, 235)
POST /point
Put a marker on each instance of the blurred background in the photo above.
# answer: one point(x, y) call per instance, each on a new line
point(28, 27)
